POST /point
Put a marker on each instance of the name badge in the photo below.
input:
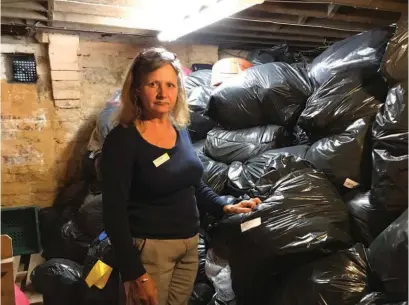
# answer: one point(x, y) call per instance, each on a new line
point(162, 159)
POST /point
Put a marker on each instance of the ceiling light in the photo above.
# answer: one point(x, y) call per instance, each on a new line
point(213, 12)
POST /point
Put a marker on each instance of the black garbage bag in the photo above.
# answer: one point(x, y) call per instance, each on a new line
point(199, 146)
point(200, 78)
point(343, 99)
point(395, 61)
point(301, 64)
point(215, 301)
point(300, 136)
point(339, 279)
point(58, 280)
point(390, 152)
point(390, 180)
point(75, 243)
point(50, 223)
point(301, 67)
point(364, 50)
point(379, 298)
point(70, 198)
point(201, 295)
point(89, 217)
point(202, 250)
point(200, 124)
point(241, 145)
point(391, 126)
point(368, 219)
point(302, 218)
point(273, 93)
point(388, 257)
point(277, 53)
point(242, 177)
point(89, 173)
point(281, 166)
point(219, 273)
point(215, 173)
point(344, 157)
point(113, 292)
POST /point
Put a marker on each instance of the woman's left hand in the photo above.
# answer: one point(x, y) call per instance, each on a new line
point(244, 206)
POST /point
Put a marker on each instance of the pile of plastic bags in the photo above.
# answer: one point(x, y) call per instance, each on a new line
point(325, 147)
point(329, 186)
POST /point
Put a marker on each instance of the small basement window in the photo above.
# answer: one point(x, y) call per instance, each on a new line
point(23, 68)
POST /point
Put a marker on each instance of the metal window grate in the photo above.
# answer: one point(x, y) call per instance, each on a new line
point(24, 68)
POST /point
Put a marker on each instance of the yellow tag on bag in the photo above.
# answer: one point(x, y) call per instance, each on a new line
point(162, 159)
point(99, 275)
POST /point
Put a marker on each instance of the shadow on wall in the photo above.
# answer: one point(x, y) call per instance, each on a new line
point(74, 183)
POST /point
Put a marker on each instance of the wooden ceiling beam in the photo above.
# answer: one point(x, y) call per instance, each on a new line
point(50, 12)
point(74, 7)
point(5, 20)
point(114, 2)
point(314, 11)
point(97, 20)
point(22, 14)
point(293, 20)
point(282, 29)
point(99, 34)
point(251, 47)
point(98, 28)
point(27, 5)
point(199, 38)
point(382, 5)
point(284, 37)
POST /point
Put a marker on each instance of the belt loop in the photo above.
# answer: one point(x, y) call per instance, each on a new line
point(186, 243)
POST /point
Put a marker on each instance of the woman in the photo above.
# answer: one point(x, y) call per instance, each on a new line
point(152, 185)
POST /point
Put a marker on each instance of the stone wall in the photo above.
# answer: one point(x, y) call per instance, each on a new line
point(43, 138)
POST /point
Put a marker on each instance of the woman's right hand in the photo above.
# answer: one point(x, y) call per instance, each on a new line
point(142, 290)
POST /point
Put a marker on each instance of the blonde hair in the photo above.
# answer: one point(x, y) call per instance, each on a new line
point(146, 62)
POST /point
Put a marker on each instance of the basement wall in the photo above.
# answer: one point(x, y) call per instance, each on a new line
point(45, 126)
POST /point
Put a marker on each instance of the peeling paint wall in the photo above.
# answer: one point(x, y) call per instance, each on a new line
point(42, 142)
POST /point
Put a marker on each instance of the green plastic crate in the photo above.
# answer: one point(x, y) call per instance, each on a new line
point(22, 225)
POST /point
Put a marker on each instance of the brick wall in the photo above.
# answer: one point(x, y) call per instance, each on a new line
point(43, 138)
point(27, 131)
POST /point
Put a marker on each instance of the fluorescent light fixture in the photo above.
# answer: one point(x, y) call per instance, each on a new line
point(211, 13)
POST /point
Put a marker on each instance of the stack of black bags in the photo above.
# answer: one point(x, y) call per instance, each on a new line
point(70, 228)
point(325, 149)
point(373, 208)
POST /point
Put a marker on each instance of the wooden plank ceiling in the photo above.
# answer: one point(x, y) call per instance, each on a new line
point(301, 24)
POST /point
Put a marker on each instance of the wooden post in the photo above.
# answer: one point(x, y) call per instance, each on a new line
point(7, 277)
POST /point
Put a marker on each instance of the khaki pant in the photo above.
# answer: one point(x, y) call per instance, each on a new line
point(172, 264)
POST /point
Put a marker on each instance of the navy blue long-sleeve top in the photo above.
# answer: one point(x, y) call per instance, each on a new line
point(143, 200)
